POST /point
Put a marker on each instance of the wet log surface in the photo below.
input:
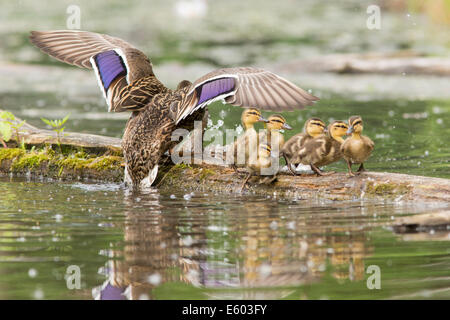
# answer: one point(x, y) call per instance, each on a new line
point(369, 185)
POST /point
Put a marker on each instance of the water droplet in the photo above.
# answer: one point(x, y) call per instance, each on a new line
point(32, 273)
point(154, 279)
point(187, 241)
point(38, 294)
point(274, 225)
point(265, 270)
point(187, 197)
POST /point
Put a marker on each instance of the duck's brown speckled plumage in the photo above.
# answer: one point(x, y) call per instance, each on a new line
point(125, 76)
point(155, 121)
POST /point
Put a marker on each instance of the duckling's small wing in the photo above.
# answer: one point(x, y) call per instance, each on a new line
point(117, 64)
point(245, 87)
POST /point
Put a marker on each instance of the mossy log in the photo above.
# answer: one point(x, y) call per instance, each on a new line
point(82, 161)
point(369, 185)
point(34, 136)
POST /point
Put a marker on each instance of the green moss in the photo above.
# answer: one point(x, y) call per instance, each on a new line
point(205, 172)
point(10, 153)
point(106, 163)
point(74, 162)
point(386, 189)
point(29, 161)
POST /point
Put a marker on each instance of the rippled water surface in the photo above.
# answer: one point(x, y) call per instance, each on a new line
point(175, 245)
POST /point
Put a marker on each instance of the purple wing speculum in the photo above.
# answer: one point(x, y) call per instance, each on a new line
point(215, 88)
point(109, 65)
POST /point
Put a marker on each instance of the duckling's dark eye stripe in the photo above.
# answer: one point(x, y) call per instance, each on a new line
point(254, 113)
point(276, 120)
point(318, 124)
point(357, 122)
point(340, 126)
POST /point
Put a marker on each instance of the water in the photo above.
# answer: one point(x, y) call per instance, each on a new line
point(159, 245)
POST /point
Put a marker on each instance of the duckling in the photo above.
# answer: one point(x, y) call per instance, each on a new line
point(272, 135)
point(263, 161)
point(325, 148)
point(313, 127)
point(246, 144)
point(357, 148)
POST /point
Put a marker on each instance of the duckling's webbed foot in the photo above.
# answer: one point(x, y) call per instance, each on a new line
point(320, 172)
point(316, 170)
point(361, 168)
point(268, 180)
point(245, 182)
point(289, 165)
point(350, 172)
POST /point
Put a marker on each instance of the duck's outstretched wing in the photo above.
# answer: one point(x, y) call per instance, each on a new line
point(124, 73)
point(244, 87)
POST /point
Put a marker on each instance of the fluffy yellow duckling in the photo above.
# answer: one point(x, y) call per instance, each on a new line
point(272, 135)
point(325, 148)
point(357, 148)
point(313, 128)
point(246, 145)
point(263, 161)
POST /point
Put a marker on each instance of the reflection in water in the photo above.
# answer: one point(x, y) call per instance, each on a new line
point(178, 245)
point(262, 243)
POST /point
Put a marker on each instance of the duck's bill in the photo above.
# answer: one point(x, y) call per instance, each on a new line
point(350, 130)
point(261, 119)
point(286, 126)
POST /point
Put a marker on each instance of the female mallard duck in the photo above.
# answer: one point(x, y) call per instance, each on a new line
point(272, 135)
point(325, 148)
point(246, 145)
point(263, 165)
point(357, 148)
point(126, 79)
point(313, 128)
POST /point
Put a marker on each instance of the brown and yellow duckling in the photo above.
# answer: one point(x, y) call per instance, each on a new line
point(358, 148)
point(313, 128)
point(263, 165)
point(246, 145)
point(272, 135)
point(325, 148)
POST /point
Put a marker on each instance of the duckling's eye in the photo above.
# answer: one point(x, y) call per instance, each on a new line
point(357, 122)
point(274, 120)
point(254, 114)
